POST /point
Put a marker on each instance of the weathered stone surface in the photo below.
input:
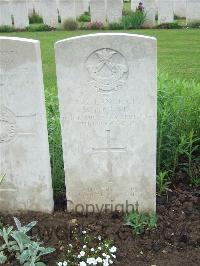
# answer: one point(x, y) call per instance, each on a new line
point(193, 10)
point(66, 9)
point(5, 13)
point(165, 11)
point(180, 8)
point(79, 7)
point(107, 95)
point(149, 9)
point(24, 151)
point(98, 11)
point(50, 13)
point(20, 13)
point(114, 10)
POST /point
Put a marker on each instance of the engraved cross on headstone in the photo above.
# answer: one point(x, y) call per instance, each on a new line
point(109, 147)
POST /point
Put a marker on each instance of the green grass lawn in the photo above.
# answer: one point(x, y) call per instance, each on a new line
point(178, 51)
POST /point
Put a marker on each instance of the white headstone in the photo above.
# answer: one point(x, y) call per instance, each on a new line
point(30, 6)
point(165, 11)
point(5, 13)
point(193, 10)
point(114, 10)
point(86, 4)
point(24, 146)
point(108, 119)
point(180, 8)
point(20, 13)
point(79, 7)
point(66, 9)
point(98, 11)
point(50, 13)
point(38, 6)
point(149, 8)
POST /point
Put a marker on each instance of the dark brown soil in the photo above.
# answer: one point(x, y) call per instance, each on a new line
point(176, 241)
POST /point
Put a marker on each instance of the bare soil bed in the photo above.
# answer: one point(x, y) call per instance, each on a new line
point(175, 241)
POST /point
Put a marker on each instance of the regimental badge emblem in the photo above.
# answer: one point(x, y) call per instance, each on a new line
point(108, 70)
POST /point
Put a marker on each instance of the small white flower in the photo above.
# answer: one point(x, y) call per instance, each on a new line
point(110, 261)
point(99, 259)
point(92, 249)
point(82, 263)
point(91, 261)
point(84, 246)
point(108, 257)
point(99, 248)
point(60, 264)
point(82, 253)
point(113, 249)
point(104, 254)
point(105, 263)
point(84, 232)
point(70, 245)
point(99, 237)
point(113, 256)
point(64, 263)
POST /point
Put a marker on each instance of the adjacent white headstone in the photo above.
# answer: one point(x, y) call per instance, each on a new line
point(79, 7)
point(98, 10)
point(5, 13)
point(165, 11)
point(24, 151)
point(66, 9)
point(180, 8)
point(193, 10)
point(38, 6)
point(108, 119)
point(114, 10)
point(149, 8)
point(20, 13)
point(30, 6)
point(50, 13)
point(86, 4)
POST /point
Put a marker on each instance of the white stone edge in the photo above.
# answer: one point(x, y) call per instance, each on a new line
point(18, 39)
point(106, 34)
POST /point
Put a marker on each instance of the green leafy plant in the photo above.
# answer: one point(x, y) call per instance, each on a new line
point(115, 26)
point(70, 24)
point(194, 24)
point(162, 182)
point(133, 20)
point(141, 221)
point(39, 27)
point(172, 25)
point(6, 28)
point(84, 17)
point(17, 242)
point(34, 18)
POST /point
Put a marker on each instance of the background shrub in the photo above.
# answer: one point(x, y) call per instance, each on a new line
point(85, 17)
point(70, 24)
point(42, 27)
point(173, 25)
point(7, 29)
point(95, 26)
point(133, 20)
point(35, 18)
point(194, 24)
point(115, 26)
